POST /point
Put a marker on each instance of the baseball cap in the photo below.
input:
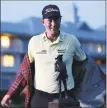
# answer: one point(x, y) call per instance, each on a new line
point(51, 11)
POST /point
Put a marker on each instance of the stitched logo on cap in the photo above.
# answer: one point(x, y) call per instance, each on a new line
point(50, 10)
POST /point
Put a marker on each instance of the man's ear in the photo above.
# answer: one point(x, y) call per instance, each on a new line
point(42, 21)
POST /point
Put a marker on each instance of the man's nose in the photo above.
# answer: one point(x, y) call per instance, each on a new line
point(53, 22)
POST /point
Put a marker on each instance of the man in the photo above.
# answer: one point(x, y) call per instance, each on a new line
point(42, 50)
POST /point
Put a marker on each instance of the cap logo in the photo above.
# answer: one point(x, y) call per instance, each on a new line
point(51, 10)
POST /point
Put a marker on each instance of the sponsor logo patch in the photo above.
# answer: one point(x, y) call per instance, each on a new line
point(42, 52)
point(61, 50)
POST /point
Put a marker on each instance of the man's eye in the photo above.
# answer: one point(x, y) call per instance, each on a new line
point(49, 20)
point(55, 19)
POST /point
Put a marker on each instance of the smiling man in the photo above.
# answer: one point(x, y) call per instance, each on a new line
point(42, 50)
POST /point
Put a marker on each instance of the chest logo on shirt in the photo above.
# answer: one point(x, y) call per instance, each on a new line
point(61, 50)
point(42, 52)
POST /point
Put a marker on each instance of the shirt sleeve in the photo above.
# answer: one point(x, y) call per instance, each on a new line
point(18, 85)
point(79, 54)
point(30, 50)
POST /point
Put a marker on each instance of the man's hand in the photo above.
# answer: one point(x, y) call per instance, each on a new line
point(6, 101)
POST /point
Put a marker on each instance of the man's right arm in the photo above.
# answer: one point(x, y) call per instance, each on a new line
point(31, 49)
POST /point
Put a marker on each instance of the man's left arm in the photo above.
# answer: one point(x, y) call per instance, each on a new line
point(79, 54)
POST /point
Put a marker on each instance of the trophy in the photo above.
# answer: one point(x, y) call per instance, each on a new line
point(62, 77)
point(63, 101)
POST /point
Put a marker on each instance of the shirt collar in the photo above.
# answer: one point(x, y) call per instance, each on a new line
point(60, 37)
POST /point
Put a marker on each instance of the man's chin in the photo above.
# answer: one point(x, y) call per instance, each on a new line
point(55, 32)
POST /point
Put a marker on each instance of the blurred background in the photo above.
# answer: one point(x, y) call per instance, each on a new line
point(20, 20)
